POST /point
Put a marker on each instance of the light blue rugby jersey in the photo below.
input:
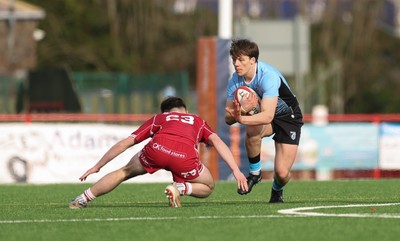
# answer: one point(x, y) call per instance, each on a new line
point(268, 82)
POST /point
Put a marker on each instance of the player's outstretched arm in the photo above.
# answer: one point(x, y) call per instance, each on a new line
point(226, 154)
point(113, 152)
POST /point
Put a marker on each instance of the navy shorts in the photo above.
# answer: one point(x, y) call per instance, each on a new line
point(287, 127)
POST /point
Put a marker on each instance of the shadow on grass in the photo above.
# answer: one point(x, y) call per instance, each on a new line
point(160, 204)
point(194, 203)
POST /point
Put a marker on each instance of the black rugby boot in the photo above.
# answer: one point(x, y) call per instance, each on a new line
point(252, 180)
point(276, 196)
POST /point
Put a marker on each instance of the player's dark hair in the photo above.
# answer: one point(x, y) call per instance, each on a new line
point(244, 47)
point(171, 102)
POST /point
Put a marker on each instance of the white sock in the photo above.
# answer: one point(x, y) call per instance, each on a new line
point(88, 195)
point(185, 188)
point(256, 173)
point(181, 188)
point(188, 188)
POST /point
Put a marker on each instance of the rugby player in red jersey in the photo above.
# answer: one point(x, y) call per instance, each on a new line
point(174, 146)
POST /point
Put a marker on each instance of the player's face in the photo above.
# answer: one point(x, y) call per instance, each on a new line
point(243, 65)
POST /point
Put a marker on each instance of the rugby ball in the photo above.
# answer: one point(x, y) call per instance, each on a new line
point(244, 92)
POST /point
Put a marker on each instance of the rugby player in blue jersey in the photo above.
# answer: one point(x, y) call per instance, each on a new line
point(280, 115)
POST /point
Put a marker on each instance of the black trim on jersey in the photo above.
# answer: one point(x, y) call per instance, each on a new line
point(287, 96)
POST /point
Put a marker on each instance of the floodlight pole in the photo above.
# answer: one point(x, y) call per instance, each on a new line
point(225, 19)
point(11, 29)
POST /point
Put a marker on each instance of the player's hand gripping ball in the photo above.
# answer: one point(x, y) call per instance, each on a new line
point(244, 92)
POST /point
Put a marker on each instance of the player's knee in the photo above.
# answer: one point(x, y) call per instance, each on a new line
point(210, 189)
point(211, 186)
point(252, 131)
point(128, 172)
point(253, 140)
point(282, 176)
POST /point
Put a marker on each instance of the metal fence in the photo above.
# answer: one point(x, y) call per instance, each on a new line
point(108, 92)
point(123, 93)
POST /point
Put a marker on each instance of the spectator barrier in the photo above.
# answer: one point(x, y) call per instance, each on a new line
point(57, 148)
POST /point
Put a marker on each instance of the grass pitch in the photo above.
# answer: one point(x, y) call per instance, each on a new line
point(328, 210)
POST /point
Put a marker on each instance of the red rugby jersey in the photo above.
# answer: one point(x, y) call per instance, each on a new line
point(181, 127)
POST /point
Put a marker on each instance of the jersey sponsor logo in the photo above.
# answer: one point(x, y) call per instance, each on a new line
point(159, 147)
point(293, 135)
point(190, 173)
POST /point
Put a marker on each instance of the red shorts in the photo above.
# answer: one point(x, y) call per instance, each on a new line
point(180, 159)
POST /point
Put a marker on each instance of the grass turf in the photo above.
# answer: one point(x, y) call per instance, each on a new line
point(140, 212)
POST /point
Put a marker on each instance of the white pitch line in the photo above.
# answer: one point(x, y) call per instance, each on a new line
point(293, 212)
point(300, 211)
point(135, 219)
